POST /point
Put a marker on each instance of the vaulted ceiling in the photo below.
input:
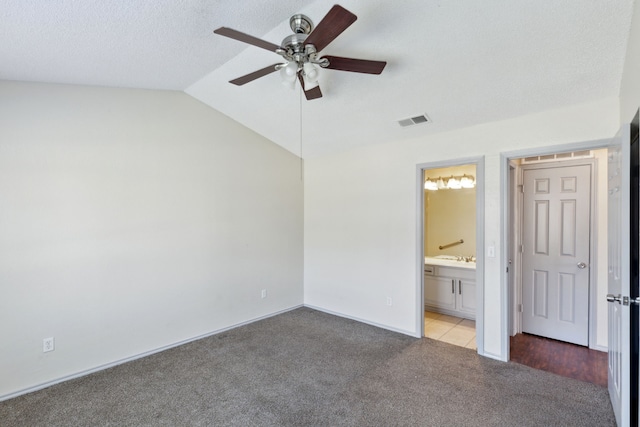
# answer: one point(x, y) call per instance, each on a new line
point(460, 62)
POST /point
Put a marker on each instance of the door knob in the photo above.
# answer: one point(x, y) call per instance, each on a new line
point(614, 298)
point(582, 265)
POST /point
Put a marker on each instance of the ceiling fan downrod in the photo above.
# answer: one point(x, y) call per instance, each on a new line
point(294, 48)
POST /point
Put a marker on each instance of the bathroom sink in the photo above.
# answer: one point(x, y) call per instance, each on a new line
point(449, 257)
point(451, 261)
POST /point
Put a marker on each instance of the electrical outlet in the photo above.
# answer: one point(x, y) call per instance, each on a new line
point(389, 301)
point(48, 344)
point(263, 294)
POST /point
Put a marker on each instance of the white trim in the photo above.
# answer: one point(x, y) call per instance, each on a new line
point(596, 199)
point(513, 244)
point(599, 348)
point(368, 322)
point(555, 149)
point(419, 291)
point(480, 251)
point(478, 161)
point(494, 356)
point(505, 295)
point(138, 356)
point(505, 157)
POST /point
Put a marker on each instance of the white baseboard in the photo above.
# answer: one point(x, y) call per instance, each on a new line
point(400, 331)
point(493, 356)
point(599, 348)
point(138, 356)
point(357, 319)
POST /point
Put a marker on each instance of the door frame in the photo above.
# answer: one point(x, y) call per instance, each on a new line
point(593, 240)
point(478, 161)
point(513, 262)
point(505, 159)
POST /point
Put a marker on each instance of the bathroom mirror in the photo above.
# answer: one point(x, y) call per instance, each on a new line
point(450, 211)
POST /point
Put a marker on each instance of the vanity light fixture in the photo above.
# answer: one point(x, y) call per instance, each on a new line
point(467, 181)
point(452, 183)
point(430, 185)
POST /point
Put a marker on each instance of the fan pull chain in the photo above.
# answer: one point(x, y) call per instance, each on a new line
point(301, 160)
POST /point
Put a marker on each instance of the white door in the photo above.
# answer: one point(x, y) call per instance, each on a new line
point(619, 275)
point(555, 253)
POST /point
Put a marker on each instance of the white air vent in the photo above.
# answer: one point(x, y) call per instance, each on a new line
point(560, 156)
point(414, 120)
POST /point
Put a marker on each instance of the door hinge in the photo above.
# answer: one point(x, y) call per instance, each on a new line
point(521, 248)
point(627, 300)
point(521, 188)
point(519, 308)
point(622, 300)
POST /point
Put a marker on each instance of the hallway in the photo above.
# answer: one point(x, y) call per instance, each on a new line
point(565, 359)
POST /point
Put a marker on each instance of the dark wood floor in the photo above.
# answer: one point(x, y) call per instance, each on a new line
point(568, 360)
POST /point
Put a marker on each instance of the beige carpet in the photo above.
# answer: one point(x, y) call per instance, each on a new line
point(307, 368)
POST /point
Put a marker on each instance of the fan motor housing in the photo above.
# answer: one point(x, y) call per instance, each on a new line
point(295, 42)
point(301, 24)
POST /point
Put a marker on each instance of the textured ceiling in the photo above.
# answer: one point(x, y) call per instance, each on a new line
point(461, 62)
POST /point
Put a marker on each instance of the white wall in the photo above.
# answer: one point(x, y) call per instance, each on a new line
point(361, 213)
point(630, 87)
point(132, 220)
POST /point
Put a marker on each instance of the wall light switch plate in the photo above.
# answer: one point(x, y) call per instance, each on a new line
point(491, 251)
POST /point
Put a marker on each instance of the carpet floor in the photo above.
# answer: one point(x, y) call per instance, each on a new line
point(308, 368)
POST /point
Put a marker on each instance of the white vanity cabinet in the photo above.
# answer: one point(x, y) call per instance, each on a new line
point(450, 290)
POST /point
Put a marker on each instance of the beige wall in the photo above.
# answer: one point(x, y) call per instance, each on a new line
point(131, 220)
point(450, 215)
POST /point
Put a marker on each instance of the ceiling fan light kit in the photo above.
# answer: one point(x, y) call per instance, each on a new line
point(300, 51)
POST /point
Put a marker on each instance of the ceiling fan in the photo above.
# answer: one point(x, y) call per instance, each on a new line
point(301, 51)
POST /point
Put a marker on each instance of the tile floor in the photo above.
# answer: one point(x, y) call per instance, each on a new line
point(450, 329)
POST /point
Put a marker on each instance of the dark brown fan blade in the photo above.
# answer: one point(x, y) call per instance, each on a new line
point(355, 65)
point(314, 93)
point(246, 38)
point(255, 75)
point(332, 25)
point(310, 94)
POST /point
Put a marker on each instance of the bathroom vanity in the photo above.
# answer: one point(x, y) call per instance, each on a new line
point(450, 286)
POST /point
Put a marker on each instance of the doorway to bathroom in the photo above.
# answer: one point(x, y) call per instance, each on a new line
point(451, 283)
